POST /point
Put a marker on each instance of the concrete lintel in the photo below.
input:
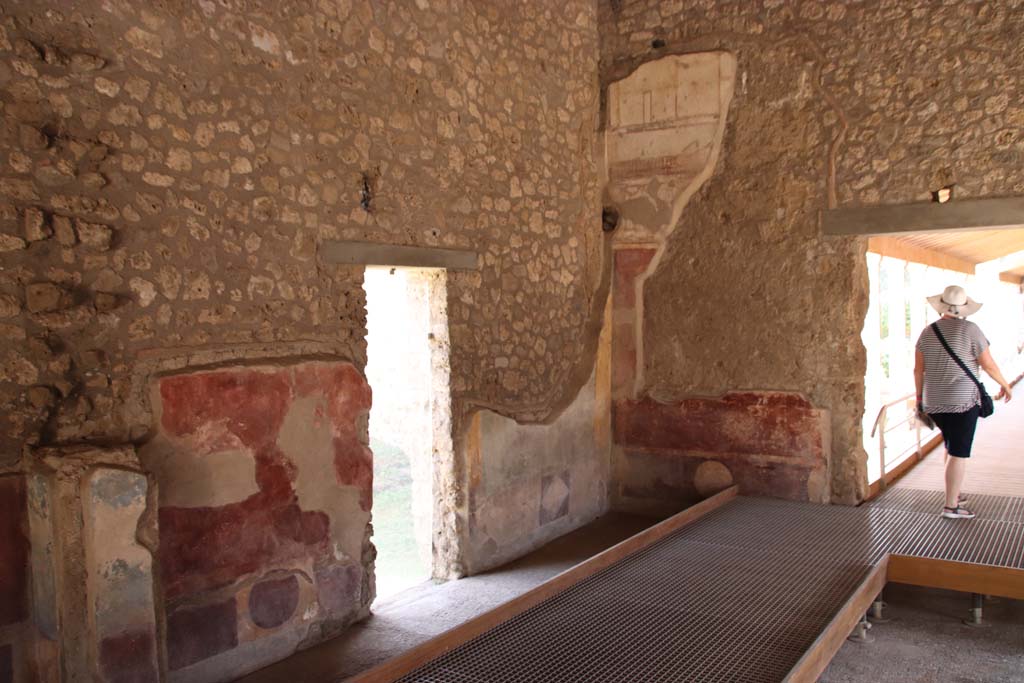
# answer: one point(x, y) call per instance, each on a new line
point(964, 214)
point(375, 254)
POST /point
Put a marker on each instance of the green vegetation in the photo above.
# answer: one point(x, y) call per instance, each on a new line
point(398, 562)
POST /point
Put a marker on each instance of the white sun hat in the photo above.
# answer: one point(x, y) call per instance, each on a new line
point(954, 301)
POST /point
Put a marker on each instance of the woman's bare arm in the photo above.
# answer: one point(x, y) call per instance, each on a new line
point(988, 364)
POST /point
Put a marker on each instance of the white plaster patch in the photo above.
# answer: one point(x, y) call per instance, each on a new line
point(191, 475)
point(339, 553)
point(306, 439)
point(665, 122)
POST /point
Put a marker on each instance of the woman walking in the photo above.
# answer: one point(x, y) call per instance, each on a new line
point(948, 391)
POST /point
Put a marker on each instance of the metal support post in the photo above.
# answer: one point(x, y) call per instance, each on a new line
point(977, 605)
point(860, 631)
point(876, 614)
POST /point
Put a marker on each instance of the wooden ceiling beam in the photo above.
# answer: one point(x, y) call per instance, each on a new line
point(894, 248)
point(1012, 278)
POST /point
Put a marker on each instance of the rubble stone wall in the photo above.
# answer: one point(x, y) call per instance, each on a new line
point(170, 170)
point(835, 104)
point(167, 172)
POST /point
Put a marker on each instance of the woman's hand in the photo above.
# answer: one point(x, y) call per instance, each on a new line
point(988, 363)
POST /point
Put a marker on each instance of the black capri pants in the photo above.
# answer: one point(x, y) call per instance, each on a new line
point(958, 430)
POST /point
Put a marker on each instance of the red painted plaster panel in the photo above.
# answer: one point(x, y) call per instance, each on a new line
point(194, 634)
point(338, 588)
point(774, 444)
point(348, 399)
point(273, 602)
point(128, 658)
point(653, 476)
point(623, 359)
point(6, 664)
point(206, 547)
point(14, 551)
point(251, 402)
point(201, 548)
point(629, 263)
point(754, 423)
point(353, 466)
point(632, 261)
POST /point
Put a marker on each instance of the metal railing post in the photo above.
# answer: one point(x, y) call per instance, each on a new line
point(881, 446)
point(917, 433)
point(881, 426)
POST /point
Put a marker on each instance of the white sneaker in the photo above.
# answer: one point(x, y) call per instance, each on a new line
point(957, 513)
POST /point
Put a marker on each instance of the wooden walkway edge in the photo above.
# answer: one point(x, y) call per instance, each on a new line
point(750, 589)
point(417, 656)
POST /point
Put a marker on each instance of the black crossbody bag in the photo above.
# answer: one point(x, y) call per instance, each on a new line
point(987, 405)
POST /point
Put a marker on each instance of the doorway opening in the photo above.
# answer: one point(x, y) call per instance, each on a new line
point(897, 313)
point(410, 436)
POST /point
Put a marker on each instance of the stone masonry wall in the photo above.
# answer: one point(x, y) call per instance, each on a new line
point(835, 104)
point(168, 169)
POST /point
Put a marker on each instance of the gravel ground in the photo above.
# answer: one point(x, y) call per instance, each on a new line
point(926, 641)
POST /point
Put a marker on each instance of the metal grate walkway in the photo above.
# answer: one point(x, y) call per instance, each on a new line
point(741, 594)
point(997, 467)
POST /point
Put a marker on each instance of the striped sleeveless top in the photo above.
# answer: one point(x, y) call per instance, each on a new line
point(946, 388)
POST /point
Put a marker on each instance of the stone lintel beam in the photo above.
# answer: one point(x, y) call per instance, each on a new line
point(375, 254)
point(900, 219)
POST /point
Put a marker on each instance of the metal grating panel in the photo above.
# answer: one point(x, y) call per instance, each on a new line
point(715, 601)
point(739, 595)
point(994, 538)
point(1003, 508)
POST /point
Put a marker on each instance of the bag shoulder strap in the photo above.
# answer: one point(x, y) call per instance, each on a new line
point(945, 345)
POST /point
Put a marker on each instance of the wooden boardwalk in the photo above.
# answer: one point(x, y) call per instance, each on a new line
point(745, 589)
point(996, 465)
